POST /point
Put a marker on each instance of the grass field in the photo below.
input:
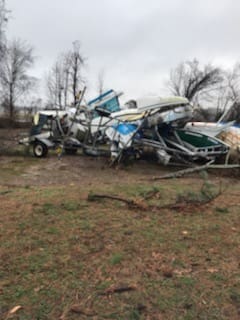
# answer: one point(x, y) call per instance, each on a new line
point(170, 251)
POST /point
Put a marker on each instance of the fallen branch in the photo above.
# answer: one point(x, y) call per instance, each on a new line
point(178, 205)
point(117, 290)
point(224, 166)
point(130, 203)
point(181, 173)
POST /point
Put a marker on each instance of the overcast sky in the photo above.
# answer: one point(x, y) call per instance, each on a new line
point(135, 42)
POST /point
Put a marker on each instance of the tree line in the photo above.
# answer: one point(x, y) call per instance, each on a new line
point(201, 84)
point(207, 85)
point(63, 81)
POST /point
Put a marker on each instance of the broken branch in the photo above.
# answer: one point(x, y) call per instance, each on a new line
point(117, 290)
point(181, 173)
point(130, 203)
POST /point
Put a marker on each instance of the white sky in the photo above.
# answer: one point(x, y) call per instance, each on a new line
point(135, 42)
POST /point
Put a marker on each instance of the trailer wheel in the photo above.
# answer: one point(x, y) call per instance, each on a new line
point(40, 150)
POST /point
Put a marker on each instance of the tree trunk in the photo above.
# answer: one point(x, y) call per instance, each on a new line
point(11, 104)
point(75, 79)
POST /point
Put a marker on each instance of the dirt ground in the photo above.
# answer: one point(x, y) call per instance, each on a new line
point(20, 167)
point(77, 169)
point(71, 169)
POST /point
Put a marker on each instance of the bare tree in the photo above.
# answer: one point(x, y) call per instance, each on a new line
point(55, 85)
point(14, 78)
point(65, 78)
point(76, 61)
point(233, 83)
point(191, 81)
point(229, 98)
point(3, 22)
point(232, 113)
point(228, 92)
point(100, 81)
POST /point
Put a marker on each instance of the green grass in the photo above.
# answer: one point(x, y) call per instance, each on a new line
point(60, 250)
point(116, 258)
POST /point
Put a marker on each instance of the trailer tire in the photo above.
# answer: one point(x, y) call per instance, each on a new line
point(40, 150)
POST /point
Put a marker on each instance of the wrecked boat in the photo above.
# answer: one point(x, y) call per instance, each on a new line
point(159, 123)
point(104, 127)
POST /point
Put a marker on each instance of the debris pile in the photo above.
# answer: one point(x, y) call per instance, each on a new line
point(160, 125)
